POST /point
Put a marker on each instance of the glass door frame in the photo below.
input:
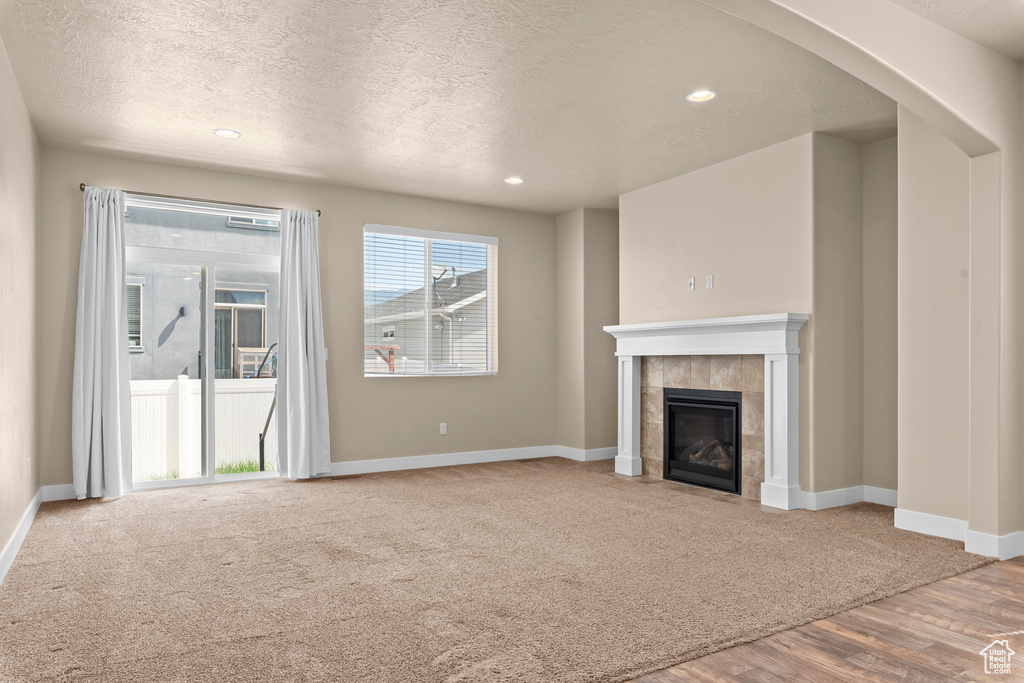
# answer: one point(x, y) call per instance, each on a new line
point(208, 262)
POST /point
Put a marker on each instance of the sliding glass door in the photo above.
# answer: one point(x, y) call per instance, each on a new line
point(202, 285)
point(165, 313)
point(245, 342)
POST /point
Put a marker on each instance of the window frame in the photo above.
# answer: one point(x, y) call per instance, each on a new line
point(140, 283)
point(234, 308)
point(491, 322)
point(210, 264)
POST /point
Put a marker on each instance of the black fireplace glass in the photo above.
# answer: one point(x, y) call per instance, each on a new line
point(703, 443)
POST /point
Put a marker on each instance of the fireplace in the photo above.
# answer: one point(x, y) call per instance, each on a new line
point(703, 438)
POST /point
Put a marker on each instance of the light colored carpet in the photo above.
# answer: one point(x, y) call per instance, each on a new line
point(543, 570)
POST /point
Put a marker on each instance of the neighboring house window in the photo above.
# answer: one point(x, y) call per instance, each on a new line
point(241, 336)
point(430, 302)
point(135, 317)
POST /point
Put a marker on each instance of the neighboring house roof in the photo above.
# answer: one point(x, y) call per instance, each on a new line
point(472, 287)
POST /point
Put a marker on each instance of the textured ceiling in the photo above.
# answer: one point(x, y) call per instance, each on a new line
point(438, 98)
point(997, 24)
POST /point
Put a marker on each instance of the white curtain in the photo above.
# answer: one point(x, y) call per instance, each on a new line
point(101, 413)
point(303, 429)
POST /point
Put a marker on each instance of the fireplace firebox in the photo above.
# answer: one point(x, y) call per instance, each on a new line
point(703, 438)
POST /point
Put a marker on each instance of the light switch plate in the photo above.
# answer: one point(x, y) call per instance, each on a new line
point(710, 281)
point(693, 283)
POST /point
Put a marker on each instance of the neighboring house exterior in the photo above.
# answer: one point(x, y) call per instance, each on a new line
point(457, 332)
point(164, 300)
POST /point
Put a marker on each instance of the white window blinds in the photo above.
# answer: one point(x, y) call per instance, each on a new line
point(430, 303)
point(134, 315)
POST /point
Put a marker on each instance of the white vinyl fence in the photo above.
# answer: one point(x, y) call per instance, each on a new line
point(167, 425)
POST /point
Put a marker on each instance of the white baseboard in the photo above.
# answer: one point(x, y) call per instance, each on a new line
point(990, 545)
point(873, 494)
point(933, 525)
point(847, 496)
point(67, 491)
point(13, 545)
point(589, 455)
point(629, 465)
point(58, 492)
point(781, 496)
point(831, 499)
point(416, 462)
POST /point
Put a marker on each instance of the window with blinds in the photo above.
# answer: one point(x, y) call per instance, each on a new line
point(134, 317)
point(430, 303)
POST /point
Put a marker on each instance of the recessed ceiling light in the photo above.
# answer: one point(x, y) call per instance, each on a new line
point(175, 234)
point(701, 96)
point(226, 133)
point(514, 180)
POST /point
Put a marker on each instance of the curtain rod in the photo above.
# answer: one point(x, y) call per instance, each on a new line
point(195, 199)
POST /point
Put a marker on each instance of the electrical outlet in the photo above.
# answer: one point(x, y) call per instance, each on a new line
point(693, 283)
point(444, 428)
point(710, 281)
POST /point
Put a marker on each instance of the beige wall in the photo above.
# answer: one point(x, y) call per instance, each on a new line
point(757, 206)
point(880, 317)
point(972, 96)
point(749, 222)
point(587, 282)
point(836, 327)
point(601, 307)
point(933, 310)
point(370, 417)
point(19, 157)
point(570, 409)
point(781, 230)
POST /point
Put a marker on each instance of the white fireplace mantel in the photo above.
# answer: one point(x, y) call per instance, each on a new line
point(774, 336)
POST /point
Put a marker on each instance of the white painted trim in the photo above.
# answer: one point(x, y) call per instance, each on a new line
point(429, 234)
point(58, 492)
point(933, 525)
point(589, 455)
point(67, 491)
point(781, 430)
point(628, 461)
point(874, 494)
point(848, 496)
point(831, 499)
point(195, 257)
point(207, 208)
point(784, 497)
point(416, 462)
point(14, 544)
point(159, 484)
point(775, 333)
point(775, 336)
point(990, 545)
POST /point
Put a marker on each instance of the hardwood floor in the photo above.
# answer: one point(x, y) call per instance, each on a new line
point(933, 633)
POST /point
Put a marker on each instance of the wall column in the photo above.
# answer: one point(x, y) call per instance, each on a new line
point(627, 461)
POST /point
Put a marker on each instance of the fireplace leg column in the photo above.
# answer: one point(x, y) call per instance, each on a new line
point(628, 459)
point(781, 487)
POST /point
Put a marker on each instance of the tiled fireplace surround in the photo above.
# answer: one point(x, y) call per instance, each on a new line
point(718, 373)
point(716, 353)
